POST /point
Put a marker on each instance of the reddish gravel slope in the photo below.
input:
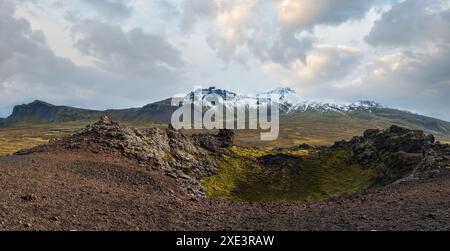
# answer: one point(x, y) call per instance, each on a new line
point(81, 190)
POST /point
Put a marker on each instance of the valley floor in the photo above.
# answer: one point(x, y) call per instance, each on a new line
point(85, 191)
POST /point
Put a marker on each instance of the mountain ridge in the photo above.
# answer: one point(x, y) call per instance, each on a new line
point(294, 109)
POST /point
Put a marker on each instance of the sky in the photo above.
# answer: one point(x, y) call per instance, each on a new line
point(127, 53)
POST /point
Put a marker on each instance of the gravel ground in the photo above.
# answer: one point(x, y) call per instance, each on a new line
point(80, 190)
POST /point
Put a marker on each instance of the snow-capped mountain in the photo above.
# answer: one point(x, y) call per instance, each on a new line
point(288, 99)
point(293, 102)
point(334, 106)
point(325, 117)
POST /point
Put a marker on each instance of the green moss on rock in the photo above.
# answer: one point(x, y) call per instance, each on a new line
point(301, 177)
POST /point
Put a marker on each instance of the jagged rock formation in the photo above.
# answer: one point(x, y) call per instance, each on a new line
point(215, 143)
point(395, 154)
point(398, 153)
point(180, 156)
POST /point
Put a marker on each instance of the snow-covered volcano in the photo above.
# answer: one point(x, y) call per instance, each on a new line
point(288, 99)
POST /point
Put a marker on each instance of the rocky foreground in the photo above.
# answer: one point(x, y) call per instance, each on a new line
point(399, 154)
point(111, 177)
point(182, 157)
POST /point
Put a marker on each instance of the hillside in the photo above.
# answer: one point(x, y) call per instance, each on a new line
point(43, 112)
point(323, 128)
point(40, 112)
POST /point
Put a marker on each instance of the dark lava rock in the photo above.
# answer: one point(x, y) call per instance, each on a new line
point(226, 137)
point(215, 143)
point(396, 153)
point(188, 157)
point(397, 166)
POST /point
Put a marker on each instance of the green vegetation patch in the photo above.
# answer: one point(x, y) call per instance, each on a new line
point(293, 176)
point(15, 139)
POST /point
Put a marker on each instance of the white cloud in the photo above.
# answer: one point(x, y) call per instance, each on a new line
point(325, 66)
point(132, 52)
point(112, 9)
point(231, 19)
point(409, 73)
point(412, 22)
point(412, 69)
point(275, 32)
point(135, 67)
point(305, 14)
point(87, 53)
point(193, 11)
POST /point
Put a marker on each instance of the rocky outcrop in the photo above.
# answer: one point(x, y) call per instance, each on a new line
point(180, 156)
point(215, 143)
point(398, 153)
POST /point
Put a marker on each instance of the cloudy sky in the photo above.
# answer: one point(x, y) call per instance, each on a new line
point(122, 53)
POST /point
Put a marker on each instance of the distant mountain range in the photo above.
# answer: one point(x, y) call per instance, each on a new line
point(296, 113)
point(40, 112)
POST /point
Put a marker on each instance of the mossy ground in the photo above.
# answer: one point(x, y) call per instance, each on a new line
point(317, 176)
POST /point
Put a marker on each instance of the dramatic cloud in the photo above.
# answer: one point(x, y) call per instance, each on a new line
point(25, 58)
point(133, 51)
point(194, 11)
point(415, 73)
point(116, 53)
point(114, 9)
point(134, 66)
point(411, 22)
point(416, 80)
point(278, 31)
point(325, 66)
point(305, 14)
